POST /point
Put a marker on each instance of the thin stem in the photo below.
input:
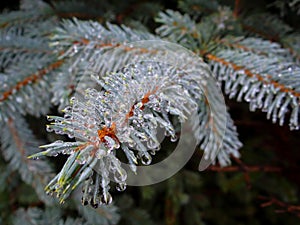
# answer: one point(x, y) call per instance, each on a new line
point(284, 207)
point(237, 8)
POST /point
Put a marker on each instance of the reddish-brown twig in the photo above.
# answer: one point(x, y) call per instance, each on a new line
point(284, 207)
point(255, 168)
point(237, 8)
point(246, 169)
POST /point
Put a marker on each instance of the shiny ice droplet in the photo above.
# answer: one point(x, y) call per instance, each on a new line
point(106, 198)
point(152, 152)
point(120, 175)
point(19, 99)
point(121, 186)
point(174, 138)
point(146, 159)
point(49, 129)
point(49, 118)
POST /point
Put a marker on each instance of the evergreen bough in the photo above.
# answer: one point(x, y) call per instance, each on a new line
point(46, 49)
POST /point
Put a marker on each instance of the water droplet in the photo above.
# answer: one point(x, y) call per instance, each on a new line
point(121, 186)
point(75, 48)
point(174, 138)
point(94, 203)
point(146, 159)
point(106, 198)
point(120, 175)
point(167, 133)
point(153, 144)
point(19, 99)
point(100, 153)
point(133, 167)
point(49, 129)
point(84, 201)
point(49, 118)
point(152, 152)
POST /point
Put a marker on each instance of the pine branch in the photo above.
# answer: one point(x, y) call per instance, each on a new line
point(16, 47)
point(88, 40)
point(78, 40)
point(292, 43)
point(272, 28)
point(47, 216)
point(177, 27)
point(266, 83)
point(17, 143)
point(258, 71)
point(21, 85)
point(231, 144)
point(196, 36)
point(147, 100)
point(18, 18)
point(36, 216)
point(24, 52)
point(84, 45)
point(31, 11)
point(256, 45)
point(271, 69)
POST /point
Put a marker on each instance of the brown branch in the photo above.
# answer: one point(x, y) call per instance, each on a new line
point(248, 72)
point(245, 169)
point(232, 45)
point(16, 138)
point(84, 41)
point(239, 46)
point(237, 8)
point(251, 169)
point(284, 207)
point(170, 213)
